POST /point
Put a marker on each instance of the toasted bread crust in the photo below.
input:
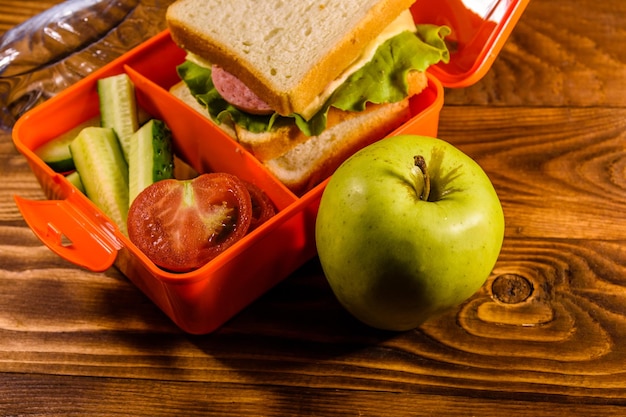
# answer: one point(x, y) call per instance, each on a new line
point(290, 94)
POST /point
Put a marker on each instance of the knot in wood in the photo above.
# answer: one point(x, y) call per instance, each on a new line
point(511, 289)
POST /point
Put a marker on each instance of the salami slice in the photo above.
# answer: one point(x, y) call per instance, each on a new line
point(237, 93)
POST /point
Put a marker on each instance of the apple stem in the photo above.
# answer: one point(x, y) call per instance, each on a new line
point(420, 163)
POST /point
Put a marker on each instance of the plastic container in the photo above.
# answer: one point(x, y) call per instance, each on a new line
point(202, 300)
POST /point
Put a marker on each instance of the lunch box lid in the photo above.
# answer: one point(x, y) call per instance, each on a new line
point(480, 29)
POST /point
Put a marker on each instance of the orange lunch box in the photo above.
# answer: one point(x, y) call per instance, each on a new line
point(202, 300)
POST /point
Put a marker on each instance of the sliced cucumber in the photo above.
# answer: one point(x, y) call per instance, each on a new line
point(150, 158)
point(74, 179)
point(103, 171)
point(56, 153)
point(118, 107)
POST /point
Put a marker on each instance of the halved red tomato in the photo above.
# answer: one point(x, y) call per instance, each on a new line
point(182, 225)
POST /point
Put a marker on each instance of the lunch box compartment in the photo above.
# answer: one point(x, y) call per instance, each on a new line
point(202, 300)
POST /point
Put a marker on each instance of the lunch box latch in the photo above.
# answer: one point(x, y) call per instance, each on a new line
point(63, 228)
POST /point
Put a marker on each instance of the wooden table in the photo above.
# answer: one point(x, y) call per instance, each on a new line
point(548, 124)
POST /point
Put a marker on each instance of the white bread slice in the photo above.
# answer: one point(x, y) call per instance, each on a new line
point(312, 161)
point(300, 162)
point(287, 52)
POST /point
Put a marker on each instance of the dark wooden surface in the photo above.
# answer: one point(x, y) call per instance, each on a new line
point(545, 336)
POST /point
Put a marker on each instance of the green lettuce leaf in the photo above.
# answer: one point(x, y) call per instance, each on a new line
point(382, 80)
point(199, 82)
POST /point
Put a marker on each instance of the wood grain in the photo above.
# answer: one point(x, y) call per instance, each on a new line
point(14, 12)
point(562, 54)
point(544, 336)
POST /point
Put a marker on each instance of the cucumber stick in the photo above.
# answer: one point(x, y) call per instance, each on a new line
point(118, 108)
point(103, 171)
point(74, 179)
point(56, 153)
point(150, 157)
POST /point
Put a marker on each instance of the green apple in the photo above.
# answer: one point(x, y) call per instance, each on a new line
point(407, 228)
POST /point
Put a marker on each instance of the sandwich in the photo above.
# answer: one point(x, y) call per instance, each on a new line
point(303, 85)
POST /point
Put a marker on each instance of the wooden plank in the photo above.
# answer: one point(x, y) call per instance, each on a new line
point(14, 12)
